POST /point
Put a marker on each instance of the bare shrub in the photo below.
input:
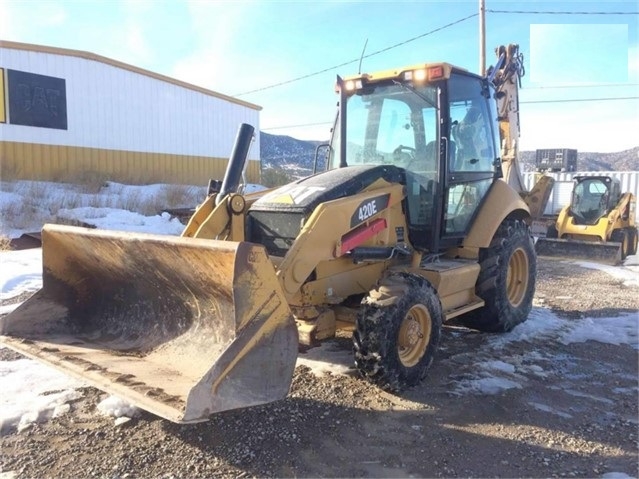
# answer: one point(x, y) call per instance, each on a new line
point(91, 181)
point(9, 214)
point(5, 243)
point(178, 196)
point(138, 203)
point(35, 210)
point(130, 202)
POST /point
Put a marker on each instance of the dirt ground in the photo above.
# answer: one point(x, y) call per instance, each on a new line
point(572, 412)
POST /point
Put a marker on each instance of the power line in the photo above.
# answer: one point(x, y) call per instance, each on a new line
point(582, 99)
point(286, 82)
point(560, 12)
point(598, 85)
point(300, 125)
point(448, 25)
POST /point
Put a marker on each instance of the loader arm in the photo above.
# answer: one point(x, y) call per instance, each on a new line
point(330, 233)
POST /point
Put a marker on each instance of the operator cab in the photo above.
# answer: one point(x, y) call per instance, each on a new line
point(593, 197)
point(439, 125)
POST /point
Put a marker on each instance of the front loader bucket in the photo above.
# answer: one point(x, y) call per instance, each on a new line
point(180, 327)
point(607, 253)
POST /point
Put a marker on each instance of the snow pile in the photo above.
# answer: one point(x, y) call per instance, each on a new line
point(21, 272)
point(32, 392)
point(116, 407)
point(114, 219)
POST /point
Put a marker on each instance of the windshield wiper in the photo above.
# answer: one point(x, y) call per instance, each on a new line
point(420, 95)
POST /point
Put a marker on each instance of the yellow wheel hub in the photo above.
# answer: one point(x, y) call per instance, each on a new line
point(517, 277)
point(414, 335)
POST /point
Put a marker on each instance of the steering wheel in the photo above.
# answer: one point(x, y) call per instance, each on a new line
point(404, 155)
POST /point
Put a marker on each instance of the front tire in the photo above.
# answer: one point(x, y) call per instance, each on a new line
point(506, 280)
point(621, 236)
point(633, 241)
point(398, 331)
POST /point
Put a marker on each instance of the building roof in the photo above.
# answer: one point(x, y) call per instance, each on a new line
point(125, 66)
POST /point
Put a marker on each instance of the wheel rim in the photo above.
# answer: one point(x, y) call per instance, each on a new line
point(517, 277)
point(414, 335)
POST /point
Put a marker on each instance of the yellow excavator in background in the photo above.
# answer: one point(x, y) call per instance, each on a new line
point(419, 217)
point(597, 225)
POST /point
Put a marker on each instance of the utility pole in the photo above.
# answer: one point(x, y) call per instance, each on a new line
point(482, 37)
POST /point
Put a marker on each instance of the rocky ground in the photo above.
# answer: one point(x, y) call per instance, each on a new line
point(572, 412)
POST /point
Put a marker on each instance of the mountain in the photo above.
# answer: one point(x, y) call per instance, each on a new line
point(279, 151)
point(297, 156)
point(626, 160)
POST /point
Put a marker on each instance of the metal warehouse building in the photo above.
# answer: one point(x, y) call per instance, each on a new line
point(67, 114)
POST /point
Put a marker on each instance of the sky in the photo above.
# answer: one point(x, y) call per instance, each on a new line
point(244, 48)
point(33, 392)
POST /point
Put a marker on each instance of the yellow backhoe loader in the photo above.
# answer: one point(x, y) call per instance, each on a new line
point(418, 218)
point(597, 225)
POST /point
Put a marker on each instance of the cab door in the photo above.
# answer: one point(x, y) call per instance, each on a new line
point(472, 162)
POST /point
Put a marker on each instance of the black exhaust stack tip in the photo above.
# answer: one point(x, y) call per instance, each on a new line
point(233, 175)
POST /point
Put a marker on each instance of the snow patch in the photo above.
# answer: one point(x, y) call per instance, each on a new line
point(628, 272)
point(327, 358)
point(623, 329)
point(115, 407)
point(32, 393)
point(488, 385)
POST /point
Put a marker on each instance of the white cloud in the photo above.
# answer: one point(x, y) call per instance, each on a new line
point(229, 57)
point(17, 20)
point(136, 45)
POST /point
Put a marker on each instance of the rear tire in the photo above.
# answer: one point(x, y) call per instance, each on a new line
point(506, 280)
point(398, 331)
point(633, 240)
point(621, 236)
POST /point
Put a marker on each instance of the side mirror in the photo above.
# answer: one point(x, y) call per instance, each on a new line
point(321, 152)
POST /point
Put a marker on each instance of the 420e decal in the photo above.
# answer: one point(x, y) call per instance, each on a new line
point(368, 208)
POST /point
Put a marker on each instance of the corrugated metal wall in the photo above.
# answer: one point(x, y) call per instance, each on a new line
point(562, 190)
point(124, 113)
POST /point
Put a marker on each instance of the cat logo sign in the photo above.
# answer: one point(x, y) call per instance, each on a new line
point(293, 194)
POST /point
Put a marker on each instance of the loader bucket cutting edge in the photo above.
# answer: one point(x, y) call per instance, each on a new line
point(180, 327)
point(607, 253)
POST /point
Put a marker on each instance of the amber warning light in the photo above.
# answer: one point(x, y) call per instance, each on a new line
point(434, 73)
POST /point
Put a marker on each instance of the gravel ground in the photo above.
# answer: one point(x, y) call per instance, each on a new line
point(574, 415)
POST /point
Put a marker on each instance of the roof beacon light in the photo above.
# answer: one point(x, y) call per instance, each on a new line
point(435, 73)
point(353, 85)
point(415, 75)
point(419, 75)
